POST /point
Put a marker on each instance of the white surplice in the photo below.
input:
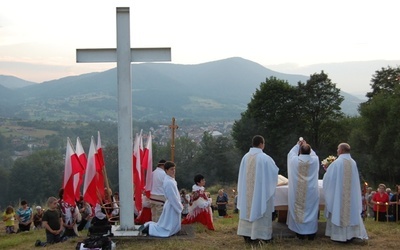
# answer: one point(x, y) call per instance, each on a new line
point(170, 220)
point(258, 176)
point(303, 193)
point(343, 201)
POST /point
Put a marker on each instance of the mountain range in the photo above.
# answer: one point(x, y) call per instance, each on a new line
point(218, 90)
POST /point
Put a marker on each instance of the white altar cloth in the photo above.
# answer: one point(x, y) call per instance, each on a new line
point(281, 197)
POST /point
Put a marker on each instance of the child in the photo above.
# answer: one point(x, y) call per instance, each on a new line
point(37, 218)
point(200, 205)
point(8, 218)
point(52, 222)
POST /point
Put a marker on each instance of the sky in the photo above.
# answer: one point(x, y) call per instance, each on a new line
point(38, 39)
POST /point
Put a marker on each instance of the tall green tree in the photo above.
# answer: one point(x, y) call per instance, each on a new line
point(185, 151)
point(320, 102)
point(382, 138)
point(217, 159)
point(273, 112)
point(36, 177)
point(380, 127)
point(384, 81)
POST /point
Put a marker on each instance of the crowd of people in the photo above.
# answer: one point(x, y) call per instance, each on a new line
point(166, 208)
point(382, 204)
point(60, 220)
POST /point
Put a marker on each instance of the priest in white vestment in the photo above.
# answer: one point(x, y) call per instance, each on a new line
point(343, 201)
point(170, 219)
point(258, 176)
point(303, 193)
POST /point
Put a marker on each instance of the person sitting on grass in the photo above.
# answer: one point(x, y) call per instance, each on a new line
point(8, 218)
point(200, 205)
point(24, 216)
point(37, 218)
point(53, 223)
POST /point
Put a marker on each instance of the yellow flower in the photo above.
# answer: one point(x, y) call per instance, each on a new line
point(327, 161)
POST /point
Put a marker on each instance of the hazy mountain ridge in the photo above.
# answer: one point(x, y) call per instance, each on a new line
point(218, 90)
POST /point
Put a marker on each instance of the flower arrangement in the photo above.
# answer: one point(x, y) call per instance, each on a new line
point(327, 161)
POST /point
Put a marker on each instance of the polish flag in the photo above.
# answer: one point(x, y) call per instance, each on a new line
point(100, 166)
point(137, 178)
point(71, 168)
point(78, 178)
point(147, 164)
point(90, 184)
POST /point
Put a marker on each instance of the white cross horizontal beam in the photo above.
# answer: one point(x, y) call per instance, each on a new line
point(110, 55)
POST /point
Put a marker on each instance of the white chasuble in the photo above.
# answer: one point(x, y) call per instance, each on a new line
point(303, 192)
point(343, 201)
point(258, 176)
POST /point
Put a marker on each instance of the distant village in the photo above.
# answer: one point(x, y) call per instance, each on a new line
point(24, 144)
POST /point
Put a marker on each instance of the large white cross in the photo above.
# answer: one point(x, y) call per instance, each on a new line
point(124, 55)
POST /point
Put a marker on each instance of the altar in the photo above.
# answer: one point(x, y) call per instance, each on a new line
point(281, 200)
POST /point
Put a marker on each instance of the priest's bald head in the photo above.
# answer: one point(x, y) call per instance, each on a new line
point(343, 148)
point(305, 149)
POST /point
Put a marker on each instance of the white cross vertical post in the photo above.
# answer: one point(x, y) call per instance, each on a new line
point(124, 55)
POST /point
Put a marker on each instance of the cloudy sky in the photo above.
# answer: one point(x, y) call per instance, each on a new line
point(38, 39)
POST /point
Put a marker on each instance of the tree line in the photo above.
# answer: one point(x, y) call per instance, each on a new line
point(282, 113)
point(278, 111)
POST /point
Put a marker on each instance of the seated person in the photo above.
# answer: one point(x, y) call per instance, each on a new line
point(100, 224)
point(86, 214)
point(8, 219)
point(200, 205)
point(24, 216)
point(37, 218)
point(69, 214)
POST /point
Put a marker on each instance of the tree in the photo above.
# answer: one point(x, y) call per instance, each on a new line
point(185, 151)
point(273, 112)
point(320, 109)
point(384, 80)
point(37, 176)
point(111, 164)
point(217, 159)
point(381, 127)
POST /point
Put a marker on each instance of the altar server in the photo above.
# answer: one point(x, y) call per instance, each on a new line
point(170, 219)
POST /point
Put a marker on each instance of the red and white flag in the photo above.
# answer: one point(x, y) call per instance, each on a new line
point(90, 184)
point(147, 164)
point(71, 168)
point(137, 178)
point(78, 178)
point(100, 167)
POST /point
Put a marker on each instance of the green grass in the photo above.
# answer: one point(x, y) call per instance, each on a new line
point(382, 236)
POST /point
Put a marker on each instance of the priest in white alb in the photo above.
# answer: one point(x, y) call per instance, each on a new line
point(258, 176)
point(303, 193)
point(343, 200)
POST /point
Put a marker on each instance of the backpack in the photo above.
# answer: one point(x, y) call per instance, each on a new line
point(99, 227)
point(95, 242)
